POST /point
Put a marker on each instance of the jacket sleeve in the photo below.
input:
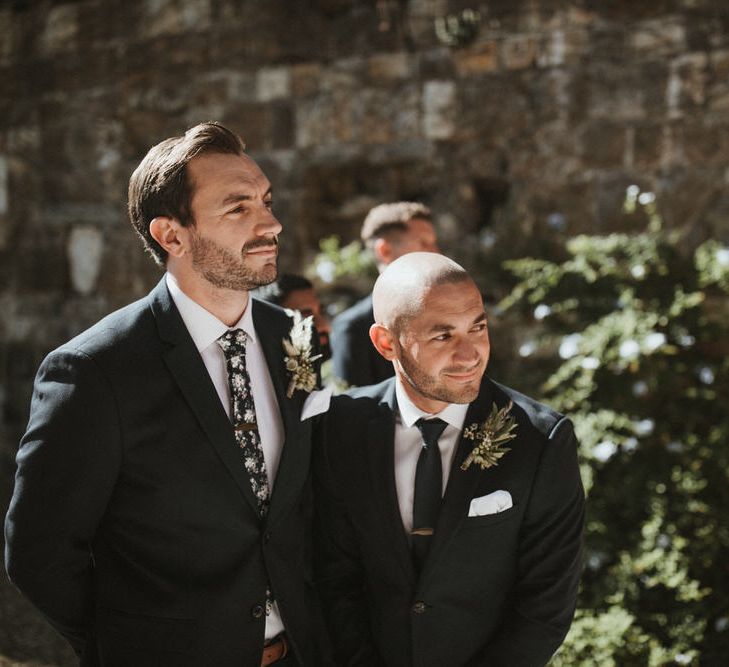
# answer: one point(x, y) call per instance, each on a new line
point(67, 465)
point(549, 561)
point(338, 567)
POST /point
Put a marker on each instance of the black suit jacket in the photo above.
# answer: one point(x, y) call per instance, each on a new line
point(355, 359)
point(495, 590)
point(133, 526)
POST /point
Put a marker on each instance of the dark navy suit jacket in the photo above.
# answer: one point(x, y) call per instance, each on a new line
point(355, 359)
point(495, 590)
point(133, 526)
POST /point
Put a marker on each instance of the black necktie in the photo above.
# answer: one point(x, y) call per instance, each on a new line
point(428, 488)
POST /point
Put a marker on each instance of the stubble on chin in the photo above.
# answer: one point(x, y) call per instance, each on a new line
point(433, 387)
point(224, 270)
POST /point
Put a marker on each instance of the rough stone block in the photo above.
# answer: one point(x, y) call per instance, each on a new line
point(174, 17)
point(659, 36)
point(703, 144)
point(389, 67)
point(562, 47)
point(10, 33)
point(60, 30)
point(273, 83)
point(686, 88)
point(84, 248)
point(647, 145)
point(250, 121)
point(313, 118)
point(439, 109)
point(3, 185)
point(604, 144)
point(436, 64)
point(519, 51)
point(718, 92)
point(305, 79)
point(482, 58)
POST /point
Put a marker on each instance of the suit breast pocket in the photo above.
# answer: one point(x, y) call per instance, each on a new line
point(491, 519)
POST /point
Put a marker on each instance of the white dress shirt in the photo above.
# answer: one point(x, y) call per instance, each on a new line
point(409, 442)
point(205, 329)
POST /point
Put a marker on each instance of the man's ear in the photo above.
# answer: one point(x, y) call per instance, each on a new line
point(384, 252)
point(383, 340)
point(168, 232)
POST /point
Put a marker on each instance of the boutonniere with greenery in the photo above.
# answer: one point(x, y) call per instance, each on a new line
point(299, 360)
point(490, 436)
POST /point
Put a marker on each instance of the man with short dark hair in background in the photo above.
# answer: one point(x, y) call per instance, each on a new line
point(449, 507)
point(297, 293)
point(160, 508)
point(389, 231)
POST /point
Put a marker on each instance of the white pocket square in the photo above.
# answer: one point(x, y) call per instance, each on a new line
point(316, 403)
point(495, 502)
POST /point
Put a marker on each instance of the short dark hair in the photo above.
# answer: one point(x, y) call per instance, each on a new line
point(160, 185)
point(277, 292)
point(393, 217)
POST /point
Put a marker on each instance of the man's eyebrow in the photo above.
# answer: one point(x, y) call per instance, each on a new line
point(444, 328)
point(239, 196)
point(441, 327)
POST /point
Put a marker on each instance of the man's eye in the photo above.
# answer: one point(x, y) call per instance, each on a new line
point(480, 327)
point(268, 203)
point(237, 209)
point(442, 337)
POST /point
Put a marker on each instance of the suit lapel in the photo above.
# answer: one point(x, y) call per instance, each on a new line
point(381, 453)
point(461, 483)
point(293, 466)
point(187, 368)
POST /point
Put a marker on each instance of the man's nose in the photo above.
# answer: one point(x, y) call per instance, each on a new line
point(268, 224)
point(466, 351)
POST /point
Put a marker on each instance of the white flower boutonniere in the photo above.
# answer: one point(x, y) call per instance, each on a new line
point(489, 437)
point(298, 359)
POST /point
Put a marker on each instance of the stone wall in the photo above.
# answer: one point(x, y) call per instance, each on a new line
point(526, 125)
point(533, 128)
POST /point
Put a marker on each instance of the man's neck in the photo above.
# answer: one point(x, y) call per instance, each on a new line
point(227, 305)
point(430, 405)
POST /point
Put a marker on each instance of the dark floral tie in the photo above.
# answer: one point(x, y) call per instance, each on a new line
point(243, 414)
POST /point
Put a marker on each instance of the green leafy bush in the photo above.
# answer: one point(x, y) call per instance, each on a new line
point(635, 330)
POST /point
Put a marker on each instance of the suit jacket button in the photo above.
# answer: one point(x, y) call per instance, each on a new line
point(266, 537)
point(257, 611)
point(419, 607)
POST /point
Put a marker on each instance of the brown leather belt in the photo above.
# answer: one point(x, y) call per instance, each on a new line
point(274, 651)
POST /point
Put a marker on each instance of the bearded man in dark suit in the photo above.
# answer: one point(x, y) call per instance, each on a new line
point(160, 508)
point(449, 508)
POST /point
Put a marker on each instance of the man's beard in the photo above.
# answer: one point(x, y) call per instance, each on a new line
point(428, 385)
point(223, 269)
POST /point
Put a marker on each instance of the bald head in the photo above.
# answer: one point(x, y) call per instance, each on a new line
point(401, 289)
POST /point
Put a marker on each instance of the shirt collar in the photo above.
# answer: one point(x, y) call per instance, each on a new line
point(203, 326)
point(453, 414)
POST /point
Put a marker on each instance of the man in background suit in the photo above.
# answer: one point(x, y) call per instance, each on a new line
point(295, 292)
point(420, 561)
point(389, 231)
point(160, 505)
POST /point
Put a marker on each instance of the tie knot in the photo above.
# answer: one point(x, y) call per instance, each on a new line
point(431, 430)
point(233, 342)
